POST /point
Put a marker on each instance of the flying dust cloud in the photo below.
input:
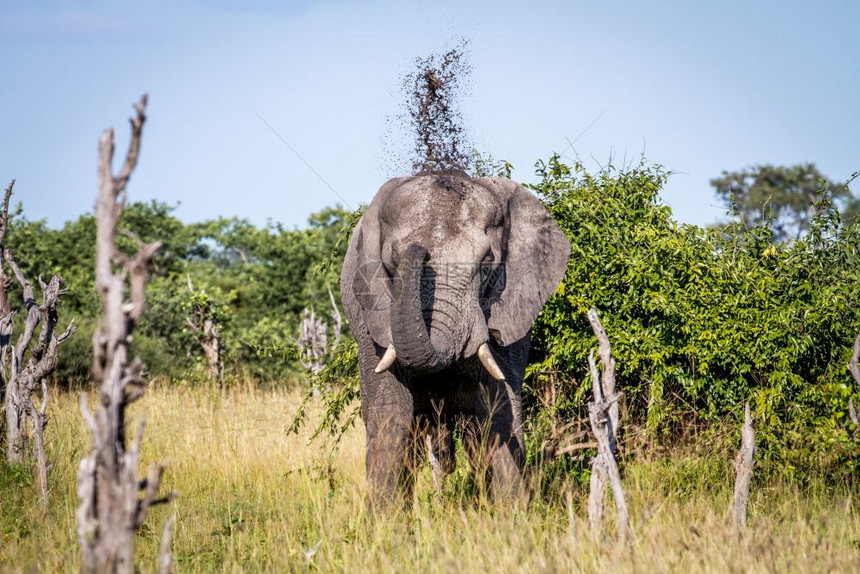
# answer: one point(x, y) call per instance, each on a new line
point(427, 132)
point(432, 90)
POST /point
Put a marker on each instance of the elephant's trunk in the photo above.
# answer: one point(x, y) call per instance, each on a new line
point(409, 333)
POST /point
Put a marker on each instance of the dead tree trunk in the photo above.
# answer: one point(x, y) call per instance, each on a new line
point(206, 332)
point(743, 470)
point(111, 509)
point(13, 403)
point(26, 365)
point(312, 342)
point(603, 416)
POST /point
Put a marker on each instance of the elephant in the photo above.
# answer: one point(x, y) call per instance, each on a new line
point(442, 280)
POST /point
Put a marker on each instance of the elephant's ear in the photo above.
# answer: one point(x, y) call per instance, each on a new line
point(537, 253)
point(365, 285)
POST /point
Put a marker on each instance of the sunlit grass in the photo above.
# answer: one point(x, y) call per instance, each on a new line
point(253, 498)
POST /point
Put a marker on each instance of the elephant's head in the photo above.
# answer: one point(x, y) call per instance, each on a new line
point(441, 263)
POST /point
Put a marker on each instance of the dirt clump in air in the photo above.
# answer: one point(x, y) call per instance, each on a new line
point(437, 124)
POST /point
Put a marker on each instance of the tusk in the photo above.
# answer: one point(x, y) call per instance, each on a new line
point(489, 362)
point(387, 360)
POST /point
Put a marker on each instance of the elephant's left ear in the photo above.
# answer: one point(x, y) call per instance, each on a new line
point(537, 253)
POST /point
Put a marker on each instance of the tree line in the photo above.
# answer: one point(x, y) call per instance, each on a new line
point(253, 282)
point(762, 307)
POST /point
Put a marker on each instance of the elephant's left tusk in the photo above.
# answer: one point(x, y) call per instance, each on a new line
point(387, 360)
point(489, 362)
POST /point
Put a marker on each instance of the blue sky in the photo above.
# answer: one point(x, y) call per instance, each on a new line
point(700, 87)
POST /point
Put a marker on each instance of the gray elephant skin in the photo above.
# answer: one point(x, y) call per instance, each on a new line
point(442, 280)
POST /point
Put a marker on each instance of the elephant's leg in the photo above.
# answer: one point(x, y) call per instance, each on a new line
point(388, 414)
point(497, 440)
point(509, 458)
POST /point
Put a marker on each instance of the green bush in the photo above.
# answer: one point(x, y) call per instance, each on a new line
point(701, 320)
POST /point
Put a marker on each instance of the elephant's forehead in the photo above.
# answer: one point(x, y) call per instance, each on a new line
point(441, 204)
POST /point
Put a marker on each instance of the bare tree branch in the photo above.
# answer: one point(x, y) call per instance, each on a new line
point(133, 147)
point(71, 328)
point(4, 219)
point(33, 316)
point(5, 281)
point(111, 509)
point(604, 351)
point(164, 558)
point(603, 416)
point(335, 315)
point(25, 365)
point(312, 341)
point(40, 422)
point(567, 449)
point(87, 415)
point(743, 468)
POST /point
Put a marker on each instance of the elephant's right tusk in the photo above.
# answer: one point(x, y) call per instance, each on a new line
point(489, 362)
point(387, 360)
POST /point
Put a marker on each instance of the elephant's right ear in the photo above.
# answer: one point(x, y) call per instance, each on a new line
point(365, 285)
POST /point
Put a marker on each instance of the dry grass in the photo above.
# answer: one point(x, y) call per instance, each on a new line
point(254, 499)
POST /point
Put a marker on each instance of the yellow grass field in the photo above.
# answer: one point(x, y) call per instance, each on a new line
point(254, 499)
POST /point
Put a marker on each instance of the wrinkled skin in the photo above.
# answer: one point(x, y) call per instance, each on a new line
point(438, 265)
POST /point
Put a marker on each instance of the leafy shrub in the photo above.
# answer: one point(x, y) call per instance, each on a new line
point(702, 320)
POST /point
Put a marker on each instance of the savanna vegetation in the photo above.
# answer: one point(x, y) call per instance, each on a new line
point(252, 281)
point(253, 499)
point(700, 320)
